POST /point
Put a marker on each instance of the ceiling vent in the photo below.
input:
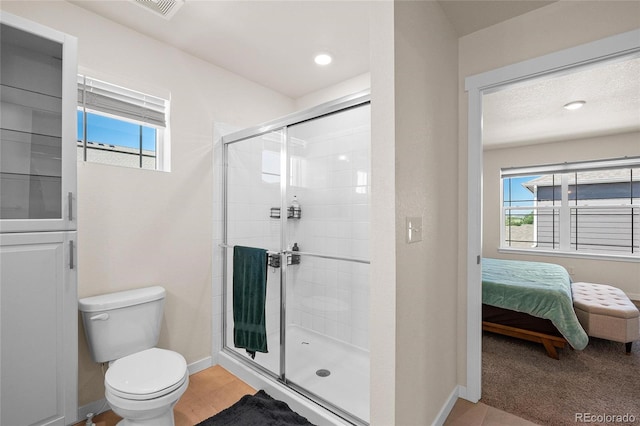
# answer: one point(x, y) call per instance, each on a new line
point(164, 8)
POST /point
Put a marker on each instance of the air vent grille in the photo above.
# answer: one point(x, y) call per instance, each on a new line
point(164, 8)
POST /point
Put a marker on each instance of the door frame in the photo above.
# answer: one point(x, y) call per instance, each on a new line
point(563, 61)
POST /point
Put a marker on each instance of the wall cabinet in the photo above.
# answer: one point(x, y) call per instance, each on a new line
point(38, 94)
point(38, 268)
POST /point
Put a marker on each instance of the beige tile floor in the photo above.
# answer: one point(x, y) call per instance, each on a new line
point(214, 389)
point(465, 413)
point(210, 391)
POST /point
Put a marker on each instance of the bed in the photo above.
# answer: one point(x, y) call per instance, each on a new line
point(531, 301)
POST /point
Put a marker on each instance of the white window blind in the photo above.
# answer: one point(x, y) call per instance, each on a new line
point(121, 102)
point(580, 166)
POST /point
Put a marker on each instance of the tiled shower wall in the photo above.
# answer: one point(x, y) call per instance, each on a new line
point(330, 175)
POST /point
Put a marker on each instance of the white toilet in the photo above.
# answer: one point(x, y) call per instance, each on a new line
point(143, 383)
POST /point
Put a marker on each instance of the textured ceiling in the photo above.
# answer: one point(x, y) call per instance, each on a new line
point(533, 111)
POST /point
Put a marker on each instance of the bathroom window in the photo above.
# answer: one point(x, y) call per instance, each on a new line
point(573, 208)
point(120, 126)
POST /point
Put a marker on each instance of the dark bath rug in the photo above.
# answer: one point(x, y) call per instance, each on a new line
point(257, 410)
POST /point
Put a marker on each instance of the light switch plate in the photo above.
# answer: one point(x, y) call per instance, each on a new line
point(414, 229)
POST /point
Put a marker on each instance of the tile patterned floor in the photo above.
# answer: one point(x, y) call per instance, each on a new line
point(214, 389)
point(210, 391)
point(465, 413)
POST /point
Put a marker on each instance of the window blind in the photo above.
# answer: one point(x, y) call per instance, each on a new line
point(121, 102)
point(583, 166)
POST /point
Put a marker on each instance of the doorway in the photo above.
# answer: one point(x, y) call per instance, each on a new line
point(476, 86)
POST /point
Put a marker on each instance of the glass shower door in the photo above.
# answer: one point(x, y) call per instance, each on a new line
point(253, 201)
point(327, 279)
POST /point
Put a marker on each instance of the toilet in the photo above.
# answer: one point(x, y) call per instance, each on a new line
point(143, 383)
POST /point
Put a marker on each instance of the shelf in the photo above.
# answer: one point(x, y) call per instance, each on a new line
point(36, 67)
point(30, 112)
point(292, 213)
point(25, 154)
point(30, 196)
point(4, 175)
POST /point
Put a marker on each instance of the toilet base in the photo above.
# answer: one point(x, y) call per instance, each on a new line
point(156, 412)
point(165, 420)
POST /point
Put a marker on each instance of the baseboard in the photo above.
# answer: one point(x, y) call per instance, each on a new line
point(95, 407)
point(448, 406)
point(197, 366)
point(100, 406)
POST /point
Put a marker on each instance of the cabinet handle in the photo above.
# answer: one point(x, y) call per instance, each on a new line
point(71, 264)
point(70, 199)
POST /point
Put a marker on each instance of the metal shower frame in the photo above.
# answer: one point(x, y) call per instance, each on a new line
point(282, 124)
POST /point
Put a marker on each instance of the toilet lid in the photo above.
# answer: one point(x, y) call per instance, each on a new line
point(148, 374)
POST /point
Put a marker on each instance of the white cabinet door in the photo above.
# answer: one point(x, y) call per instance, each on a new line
point(38, 329)
point(38, 100)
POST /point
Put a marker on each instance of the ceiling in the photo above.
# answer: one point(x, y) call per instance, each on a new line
point(534, 110)
point(273, 44)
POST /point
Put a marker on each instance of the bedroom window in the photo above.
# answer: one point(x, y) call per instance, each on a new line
point(587, 208)
point(120, 126)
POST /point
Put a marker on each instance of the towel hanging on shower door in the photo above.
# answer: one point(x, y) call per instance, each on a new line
point(249, 299)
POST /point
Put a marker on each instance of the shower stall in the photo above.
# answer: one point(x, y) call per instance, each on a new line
point(299, 187)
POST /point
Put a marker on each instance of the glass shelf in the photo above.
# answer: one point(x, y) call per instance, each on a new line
point(31, 134)
point(30, 196)
point(30, 112)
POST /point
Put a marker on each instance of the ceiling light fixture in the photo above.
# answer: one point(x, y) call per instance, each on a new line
point(323, 59)
point(571, 106)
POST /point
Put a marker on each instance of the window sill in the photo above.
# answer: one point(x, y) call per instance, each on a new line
point(575, 255)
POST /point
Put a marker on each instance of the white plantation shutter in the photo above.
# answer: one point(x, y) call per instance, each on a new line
point(121, 102)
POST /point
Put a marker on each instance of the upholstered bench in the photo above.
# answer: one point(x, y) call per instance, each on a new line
point(606, 312)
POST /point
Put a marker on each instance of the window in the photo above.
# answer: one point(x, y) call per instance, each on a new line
point(120, 126)
point(588, 207)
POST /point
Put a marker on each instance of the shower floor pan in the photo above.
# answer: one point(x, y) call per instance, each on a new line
point(310, 355)
point(347, 385)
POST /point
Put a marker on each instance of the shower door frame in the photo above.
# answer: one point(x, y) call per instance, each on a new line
point(281, 124)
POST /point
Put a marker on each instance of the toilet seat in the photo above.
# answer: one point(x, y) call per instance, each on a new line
point(146, 375)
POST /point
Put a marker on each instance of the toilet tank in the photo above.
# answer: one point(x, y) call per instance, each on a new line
point(122, 323)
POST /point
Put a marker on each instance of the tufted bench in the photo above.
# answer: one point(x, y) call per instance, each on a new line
point(606, 312)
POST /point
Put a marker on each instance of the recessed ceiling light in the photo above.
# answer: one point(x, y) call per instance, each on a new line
point(323, 59)
point(574, 105)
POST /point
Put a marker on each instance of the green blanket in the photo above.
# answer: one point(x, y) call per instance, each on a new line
point(539, 289)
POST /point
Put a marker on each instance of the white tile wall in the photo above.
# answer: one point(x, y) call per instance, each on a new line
point(330, 175)
point(331, 296)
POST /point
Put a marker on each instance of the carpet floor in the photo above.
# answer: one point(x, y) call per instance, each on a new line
point(592, 386)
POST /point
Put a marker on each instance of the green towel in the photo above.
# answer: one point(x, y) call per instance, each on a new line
point(249, 297)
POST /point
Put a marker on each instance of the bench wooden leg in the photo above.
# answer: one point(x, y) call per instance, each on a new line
point(628, 347)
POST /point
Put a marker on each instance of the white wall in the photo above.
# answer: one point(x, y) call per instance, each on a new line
point(425, 186)
point(140, 227)
point(382, 316)
point(622, 274)
point(353, 85)
point(542, 31)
